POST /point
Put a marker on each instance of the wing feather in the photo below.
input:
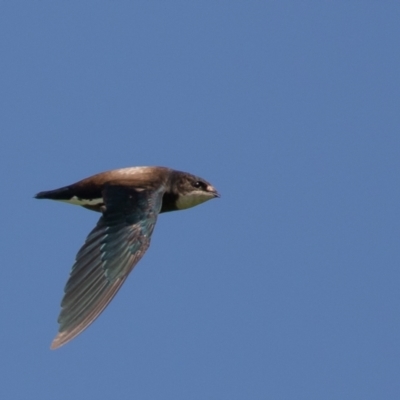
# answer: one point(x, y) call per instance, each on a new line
point(111, 250)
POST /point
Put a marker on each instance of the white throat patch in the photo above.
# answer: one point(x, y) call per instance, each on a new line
point(192, 199)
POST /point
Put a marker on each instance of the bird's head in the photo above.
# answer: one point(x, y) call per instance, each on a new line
point(192, 191)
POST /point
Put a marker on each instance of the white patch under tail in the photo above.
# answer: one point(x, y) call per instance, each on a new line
point(84, 202)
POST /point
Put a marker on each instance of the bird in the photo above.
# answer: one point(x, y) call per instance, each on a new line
point(129, 200)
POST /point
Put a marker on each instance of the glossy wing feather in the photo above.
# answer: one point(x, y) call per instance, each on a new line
point(111, 250)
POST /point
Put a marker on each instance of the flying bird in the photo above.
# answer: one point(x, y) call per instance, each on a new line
point(130, 200)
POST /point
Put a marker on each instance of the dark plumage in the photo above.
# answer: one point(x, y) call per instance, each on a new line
point(130, 200)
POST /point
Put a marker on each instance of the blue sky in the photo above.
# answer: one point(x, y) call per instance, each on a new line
point(285, 288)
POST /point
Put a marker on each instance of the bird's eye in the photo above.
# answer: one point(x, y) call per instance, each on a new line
point(198, 184)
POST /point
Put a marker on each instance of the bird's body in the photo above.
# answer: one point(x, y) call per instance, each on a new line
point(130, 200)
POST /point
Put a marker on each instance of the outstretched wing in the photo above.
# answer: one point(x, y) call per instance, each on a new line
point(110, 252)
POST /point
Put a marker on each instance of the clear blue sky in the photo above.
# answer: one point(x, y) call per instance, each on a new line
point(285, 288)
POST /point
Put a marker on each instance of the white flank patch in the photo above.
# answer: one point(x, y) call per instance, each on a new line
point(193, 199)
point(83, 202)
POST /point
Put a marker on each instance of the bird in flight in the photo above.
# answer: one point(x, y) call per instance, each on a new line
point(130, 200)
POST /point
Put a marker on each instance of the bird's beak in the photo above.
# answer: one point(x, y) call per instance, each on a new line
point(211, 189)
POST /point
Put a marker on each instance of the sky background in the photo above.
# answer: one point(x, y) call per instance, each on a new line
point(285, 288)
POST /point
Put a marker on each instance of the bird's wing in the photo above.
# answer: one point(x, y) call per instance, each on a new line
point(110, 252)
